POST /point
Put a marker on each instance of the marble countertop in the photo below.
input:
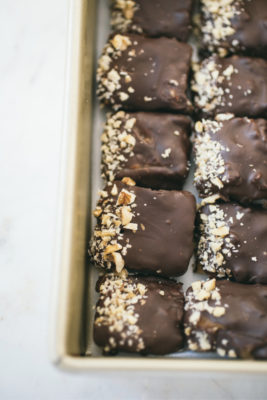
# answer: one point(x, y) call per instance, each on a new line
point(33, 42)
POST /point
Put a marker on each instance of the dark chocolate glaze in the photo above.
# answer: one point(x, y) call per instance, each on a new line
point(250, 27)
point(160, 318)
point(154, 133)
point(252, 77)
point(157, 64)
point(248, 259)
point(243, 327)
point(245, 176)
point(165, 243)
point(170, 18)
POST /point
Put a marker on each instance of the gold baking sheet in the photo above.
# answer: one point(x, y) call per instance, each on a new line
point(74, 294)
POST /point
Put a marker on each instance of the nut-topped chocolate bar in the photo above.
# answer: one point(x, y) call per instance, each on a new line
point(154, 18)
point(236, 85)
point(232, 242)
point(231, 158)
point(151, 148)
point(143, 230)
point(236, 26)
point(138, 73)
point(227, 317)
point(139, 315)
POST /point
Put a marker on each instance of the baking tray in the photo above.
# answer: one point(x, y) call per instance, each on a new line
point(74, 295)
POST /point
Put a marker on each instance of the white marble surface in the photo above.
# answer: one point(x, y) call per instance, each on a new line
point(33, 44)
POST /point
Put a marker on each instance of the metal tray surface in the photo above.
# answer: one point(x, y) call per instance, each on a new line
point(74, 294)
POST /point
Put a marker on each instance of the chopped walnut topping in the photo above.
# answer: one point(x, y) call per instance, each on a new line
point(116, 310)
point(122, 15)
point(117, 145)
point(120, 42)
point(128, 181)
point(214, 236)
point(204, 297)
point(125, 197)
point(107, 247)
point(217, 27)
point(109, 79)
point(210, 165)
point(207, 83)
point(166, 153)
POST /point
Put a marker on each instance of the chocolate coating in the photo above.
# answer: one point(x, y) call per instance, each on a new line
point(154, 18)
point(234, 152)
point(151, 320)
point(232, 319)
point(232, 242)
point(138, 73)
point(152, 230)
point(236, 85)
point(152, 149)
point(246, 31)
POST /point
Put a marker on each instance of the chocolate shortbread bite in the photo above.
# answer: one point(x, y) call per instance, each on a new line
point(154, 18)
point(232, 242)
point(143, 74)
point(151, 148)
point(235, 26)
point(227, 317)
point(231, 158)
point(139, 315)
point(236, 85)
point(144, 230)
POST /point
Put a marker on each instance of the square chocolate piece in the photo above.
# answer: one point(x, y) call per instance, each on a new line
point(139, 315)
point(231, 158)
point(227, 317)
point(144, 230)
point(152, 149)
point(236, 85)
point(154, 18)
point(237, 26)
point(232, 242)
point(143, 74)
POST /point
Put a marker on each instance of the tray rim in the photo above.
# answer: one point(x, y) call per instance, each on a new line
point(59, 354)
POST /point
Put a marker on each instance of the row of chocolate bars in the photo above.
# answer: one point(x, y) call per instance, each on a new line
point(145, 222)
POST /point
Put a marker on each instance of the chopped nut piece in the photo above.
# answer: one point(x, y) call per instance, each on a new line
point(128, 181)
point(126, 215)
point(97, 212)
point(118, 260)
point(121, 42)
point(218, 311)
point(125, 197)
point(209, 285)
point(112, 247)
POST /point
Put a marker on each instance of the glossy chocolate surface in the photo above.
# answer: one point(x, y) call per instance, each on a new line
point(139, 314)
point(232, 242)
point(231, 319)
point(154, 18)
point(236, 85)
point(245, 32)
point(151, 148)
point(231, 159)
point(144, 74)
point(152, 230)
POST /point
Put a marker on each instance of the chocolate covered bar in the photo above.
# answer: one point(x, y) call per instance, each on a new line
point(143, 230)
point(236, 26)
point(139, 315)
point(138, 73)
point(232, 242)
point(236, 85)
point(154, 18)
point(227, 317)
point(231, 158)
point(150, 148)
